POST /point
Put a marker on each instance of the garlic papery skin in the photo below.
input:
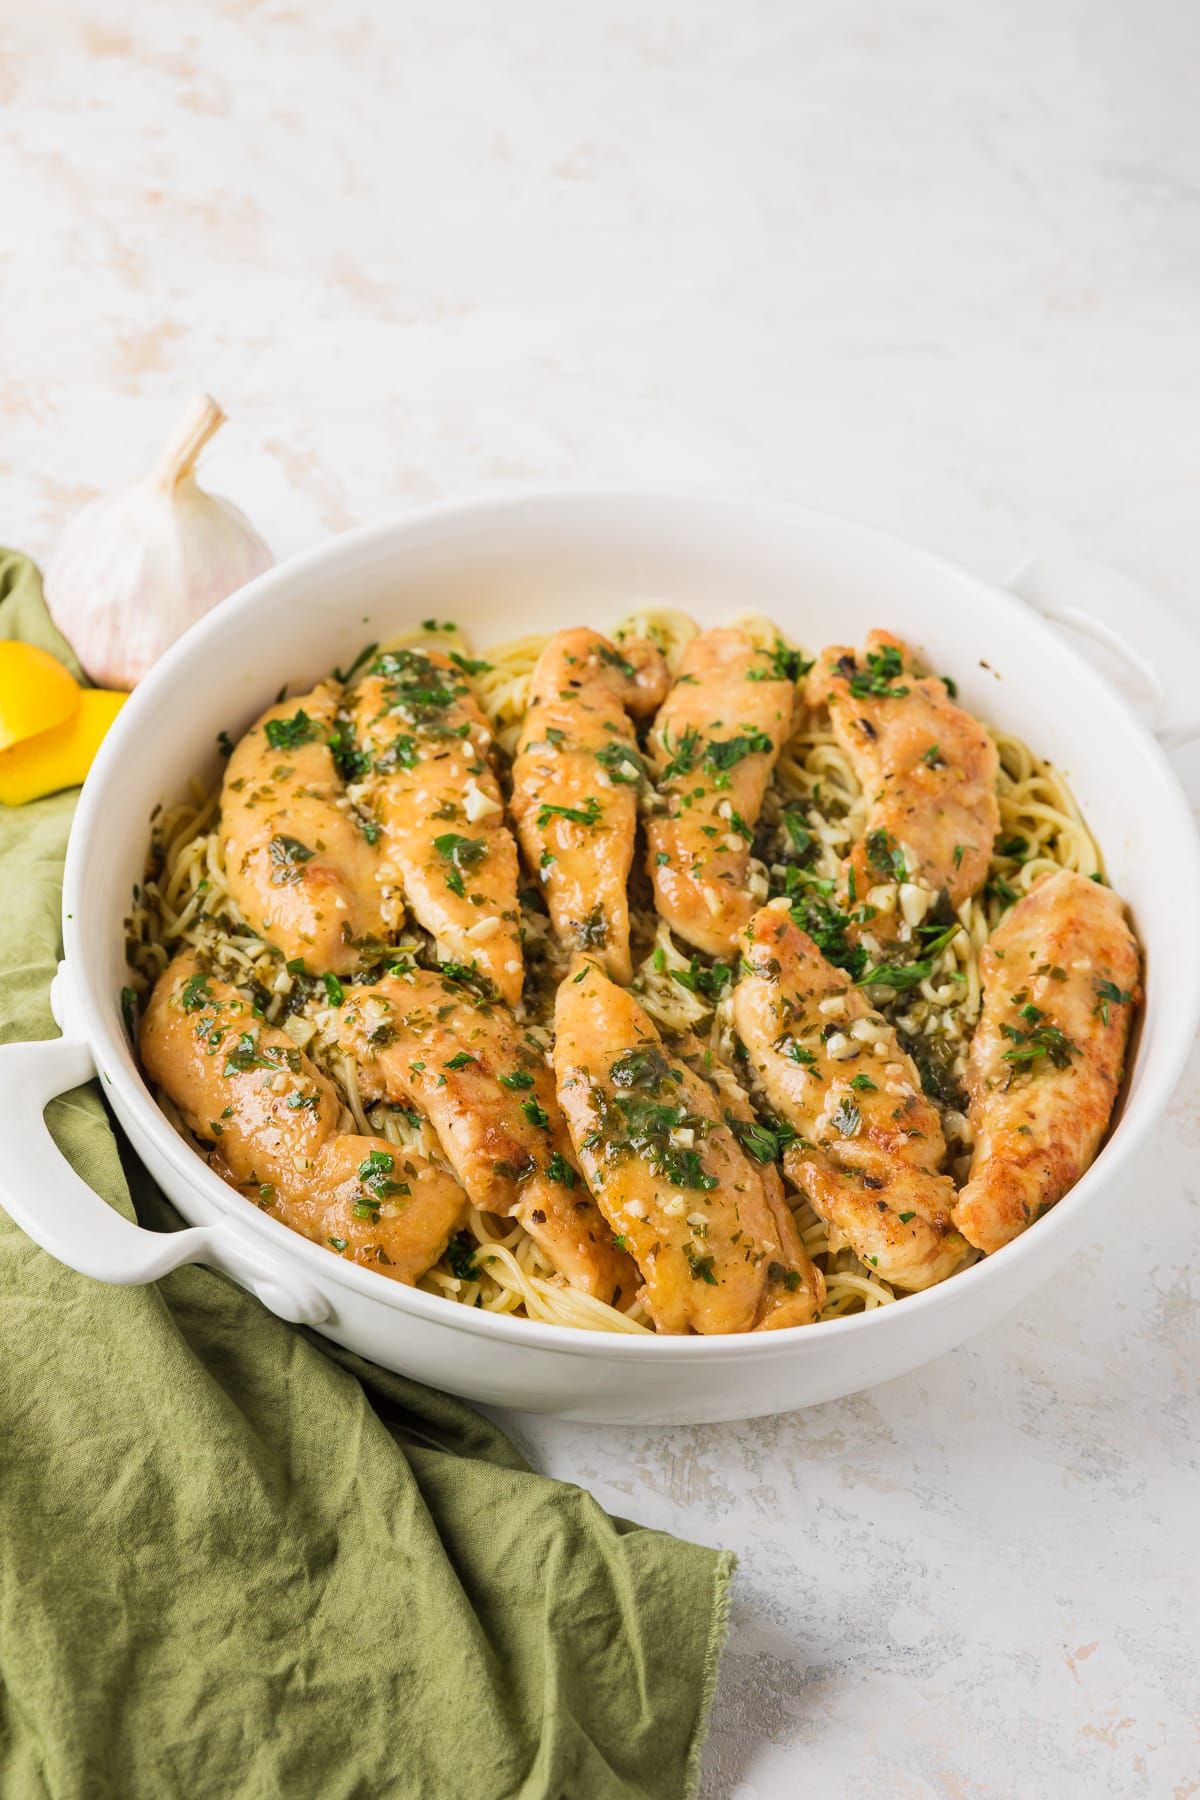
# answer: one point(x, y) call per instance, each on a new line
point(139, 566)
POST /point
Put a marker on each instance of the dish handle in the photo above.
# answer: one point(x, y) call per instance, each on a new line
point(1148, 649)
point(41, 1193)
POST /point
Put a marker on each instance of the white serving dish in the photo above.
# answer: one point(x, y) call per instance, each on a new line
point(537, 562)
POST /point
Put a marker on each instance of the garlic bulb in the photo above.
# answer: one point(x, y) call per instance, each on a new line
point(137, 567)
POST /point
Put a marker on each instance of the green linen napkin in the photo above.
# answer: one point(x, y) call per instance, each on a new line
point(239, 1561)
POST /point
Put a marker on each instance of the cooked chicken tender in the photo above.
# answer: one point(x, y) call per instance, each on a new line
point(296, 858)
point(715, 742)
point(444, 840)
point(420, 1039)
point(271, 1119)
point(1060, 985)
point(796, 1287)
point(576, 780)
point(869, 1145)
point(668, 1171)
point(929, 772)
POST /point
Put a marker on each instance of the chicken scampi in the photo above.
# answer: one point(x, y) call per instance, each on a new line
point(668, 979)
point(866, 1145)
point(663, 1158)
point(928, 770)
point(444, 843)
point(271, 1121)
point(576, 781)
point(1060, 984)
point(715, 741)
point(300, 866)
point(483, 1083)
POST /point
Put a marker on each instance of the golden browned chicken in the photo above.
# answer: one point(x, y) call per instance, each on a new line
point(576, 781)
point(422, 1040)
point(790, 1302)
point(928, 770)
point(271, 1118)
point(297, 860)
point(869, 1145)
point(1060, 985)
point(668, 1171)
point(714, 744)
point(444, 840)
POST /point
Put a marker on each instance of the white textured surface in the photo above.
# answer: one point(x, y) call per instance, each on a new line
point(934, 265)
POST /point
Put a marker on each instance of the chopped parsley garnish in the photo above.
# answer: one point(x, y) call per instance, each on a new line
point(520, 1078)
point(933, 755)
point(289, 734)
point(288, 855)
point(1044, 1039)
point(617, 661)
point(826, 925)
point(883, 669)
point(375, 1174)
point(462, 854)
point(797, 1053)
point(759, 1141)
point(195, 993)
point(885, 855)
point(470, 665)
point(246, 1055)
point(364, 656)
point(587, 814)
point(699, 979)
point(338, 1243)
point(1015, 846)
point(536, 1115)
point(592, 931)
point(723, 754)
point(789, 1278)
point(461, 1059)
point(801, 838)
point(906, 1218)
point(864, 1084)
point(350, 762)
point(559, 1170)
point(846, 1117)
point(460, 1254)
point(908, 975)
point(402, 753)
point(685, 756)
point(701, 1266)
point(1109, 994)
point(334, 991)
point(418, 685)
point(623, 762)
point(785, 664)
point(646, 1067)
point(224, 743)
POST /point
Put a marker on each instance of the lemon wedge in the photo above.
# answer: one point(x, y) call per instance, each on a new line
point(62, 756)
point(36, 692)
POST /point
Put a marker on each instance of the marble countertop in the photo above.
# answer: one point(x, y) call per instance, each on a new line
point(932, 265)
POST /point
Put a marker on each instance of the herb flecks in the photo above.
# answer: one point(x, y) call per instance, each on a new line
point(881, 677)
point(288, 856)
point(289, 734)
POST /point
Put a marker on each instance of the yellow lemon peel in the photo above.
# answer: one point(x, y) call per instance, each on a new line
point(36, 692)
point(62, 756)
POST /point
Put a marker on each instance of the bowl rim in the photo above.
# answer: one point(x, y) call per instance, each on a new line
point(131, 1090)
